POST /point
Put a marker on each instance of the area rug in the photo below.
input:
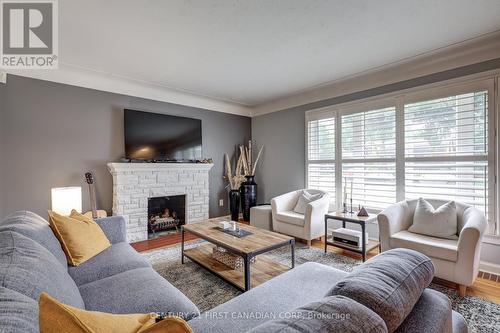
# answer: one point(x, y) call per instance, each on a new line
point(207, 290)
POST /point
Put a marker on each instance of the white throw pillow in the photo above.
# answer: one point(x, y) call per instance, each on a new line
point(305, 198)
point(441, 223)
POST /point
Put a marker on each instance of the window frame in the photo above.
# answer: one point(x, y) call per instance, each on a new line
point(398, 100)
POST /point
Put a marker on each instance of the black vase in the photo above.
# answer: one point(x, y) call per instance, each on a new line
point(248, 191)
point(234, 204)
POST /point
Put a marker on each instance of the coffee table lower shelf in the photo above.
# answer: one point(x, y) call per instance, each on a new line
point(263, 269)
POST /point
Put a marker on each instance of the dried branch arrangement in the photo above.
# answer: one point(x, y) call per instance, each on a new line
point(249, 166)
point(244, 167)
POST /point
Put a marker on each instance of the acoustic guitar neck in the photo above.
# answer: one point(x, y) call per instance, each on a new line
point(89, 177)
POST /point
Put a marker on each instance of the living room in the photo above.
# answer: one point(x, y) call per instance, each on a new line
point(264, 166)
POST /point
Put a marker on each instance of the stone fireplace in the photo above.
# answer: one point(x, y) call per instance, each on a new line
point(135, 184)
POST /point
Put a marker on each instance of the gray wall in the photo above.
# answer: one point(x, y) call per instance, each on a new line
point(50, 134)
point(283, 135)
point(281, 169)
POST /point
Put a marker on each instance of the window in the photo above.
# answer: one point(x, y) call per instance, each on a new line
point(446, 149)
point(321, 155)
point(369, 157)
point(415, 145)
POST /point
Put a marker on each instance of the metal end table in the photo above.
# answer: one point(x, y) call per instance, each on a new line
point(351, 218)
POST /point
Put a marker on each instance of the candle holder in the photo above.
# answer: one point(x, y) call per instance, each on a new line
point(344, 205)
point(351, 212)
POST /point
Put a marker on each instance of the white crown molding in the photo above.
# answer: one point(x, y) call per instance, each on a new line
point(469, 52)
point(85, 78)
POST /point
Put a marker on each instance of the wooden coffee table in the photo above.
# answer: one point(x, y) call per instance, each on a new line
point(248, 247)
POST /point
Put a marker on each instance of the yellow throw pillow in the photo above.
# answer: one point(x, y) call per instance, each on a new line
point(55, 317)
point(81, 237)
point(75, 215)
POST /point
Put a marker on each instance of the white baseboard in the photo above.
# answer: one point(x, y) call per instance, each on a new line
point(489, 267)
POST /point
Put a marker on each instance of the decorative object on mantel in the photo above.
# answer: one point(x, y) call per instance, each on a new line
point(363, 212)
point(248, 188)
point(235, 181)
point(131, 160)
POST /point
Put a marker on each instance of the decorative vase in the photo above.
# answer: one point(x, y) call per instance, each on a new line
point(234, 204)
point(248, 191)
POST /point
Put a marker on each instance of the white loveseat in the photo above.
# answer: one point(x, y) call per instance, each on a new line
point(306, 226)
point(454, 260)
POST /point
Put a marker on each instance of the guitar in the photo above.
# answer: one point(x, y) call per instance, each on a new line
point(94, 213)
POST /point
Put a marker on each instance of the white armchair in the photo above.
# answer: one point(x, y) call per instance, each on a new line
point(306, 226)
point(454, 260)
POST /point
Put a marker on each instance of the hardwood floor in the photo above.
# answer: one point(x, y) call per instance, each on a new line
point(486, 285)
point(161, 242)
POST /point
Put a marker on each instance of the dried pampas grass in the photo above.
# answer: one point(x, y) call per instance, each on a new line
point(237, 178)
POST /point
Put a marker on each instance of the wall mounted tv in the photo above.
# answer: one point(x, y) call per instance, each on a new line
point(158, 137)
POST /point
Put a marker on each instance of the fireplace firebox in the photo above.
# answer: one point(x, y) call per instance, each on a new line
point(166, 215)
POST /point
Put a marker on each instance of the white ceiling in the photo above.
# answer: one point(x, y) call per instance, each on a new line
point(253, 52)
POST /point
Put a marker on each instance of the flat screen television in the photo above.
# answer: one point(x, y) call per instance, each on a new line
point(161, 138)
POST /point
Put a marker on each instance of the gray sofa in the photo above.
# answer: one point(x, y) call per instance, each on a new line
point(119, 280)
point(304, 288)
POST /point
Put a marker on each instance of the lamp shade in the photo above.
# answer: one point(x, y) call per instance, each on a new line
point(64, 199)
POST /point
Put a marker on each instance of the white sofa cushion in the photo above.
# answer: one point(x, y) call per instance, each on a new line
point(446, 249)
point(291, 218)
point(304, 198)
point(441, 222)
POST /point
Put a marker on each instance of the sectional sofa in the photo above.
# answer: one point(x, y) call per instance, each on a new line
point(119, 280)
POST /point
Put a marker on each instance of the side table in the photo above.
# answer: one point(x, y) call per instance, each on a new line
point(351, 218)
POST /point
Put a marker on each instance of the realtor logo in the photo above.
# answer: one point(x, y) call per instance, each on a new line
point(29, 34)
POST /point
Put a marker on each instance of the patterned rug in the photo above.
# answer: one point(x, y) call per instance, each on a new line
point(207, 290)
